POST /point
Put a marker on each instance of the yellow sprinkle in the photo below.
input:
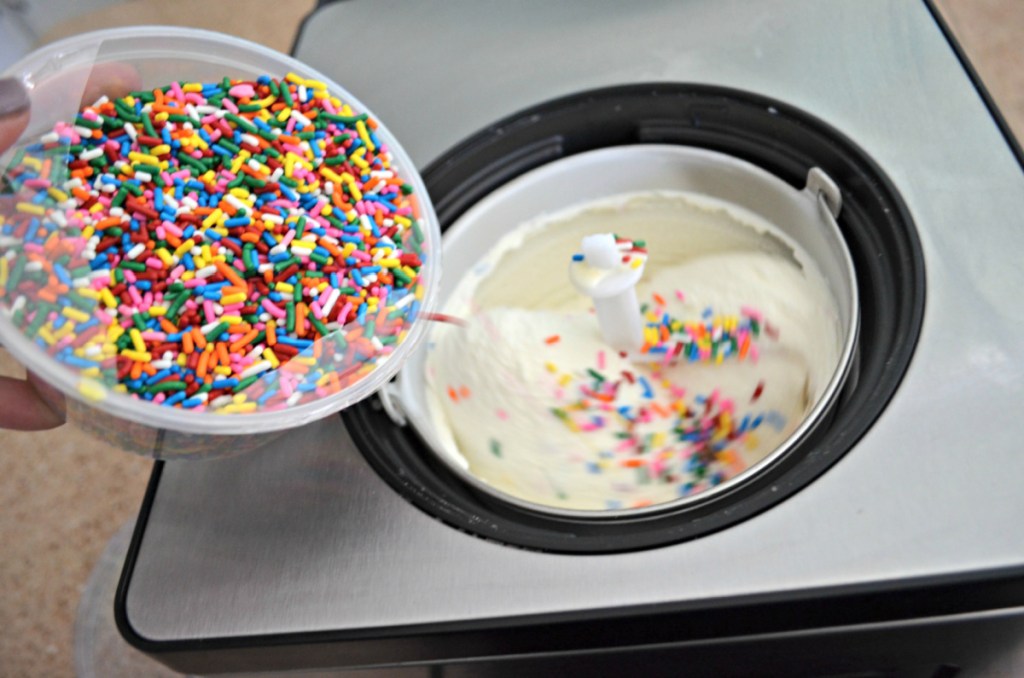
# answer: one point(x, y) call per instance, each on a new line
point(269, 355)
point(233, 299)
point(92, 390)
point(636, 263)
point(222, 369)
point(64, 331)
point(239, 407)
point(185, 247)
point(230, 320)
point(212, 218)
point(283, 287)
point(34, 163)
point(364, 135)
point(59, 196)
point(240, 192)
point(3, 272)
point(137, 356)
point(29, 208)
point(284, 114)
point(192, 87)
point(564, 380)
point(402, 220)
point(91, 372)
point(157, 311)
point(89, 293)
point(47, 337)
point(303, 244)
point(75, 314)
point(551, 367)
point(137, 341)
point(143, 158)
point(165, 256)
point(181, 359)
point(162, 149)
point(96, 208)
point(162, 116)
point(295, 78)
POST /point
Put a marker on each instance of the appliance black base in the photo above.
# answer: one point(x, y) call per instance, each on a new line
point(778, 138)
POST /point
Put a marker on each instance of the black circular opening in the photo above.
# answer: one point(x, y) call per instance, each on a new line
point(779, 138)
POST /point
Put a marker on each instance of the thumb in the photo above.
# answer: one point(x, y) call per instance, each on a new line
point(14, 104)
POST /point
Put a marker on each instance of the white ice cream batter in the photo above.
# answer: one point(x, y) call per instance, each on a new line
point(539, 407)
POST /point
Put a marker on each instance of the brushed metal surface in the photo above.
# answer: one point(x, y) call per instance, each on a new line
point(304, 536)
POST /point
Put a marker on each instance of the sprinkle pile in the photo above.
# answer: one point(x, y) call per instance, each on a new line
point(228, 246)
point(712, 339)
point(669, 438)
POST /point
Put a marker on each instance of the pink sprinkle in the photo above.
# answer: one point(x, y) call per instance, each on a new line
point(242, 90)
point(502, 414)
point(680, 296)
point(600, 360)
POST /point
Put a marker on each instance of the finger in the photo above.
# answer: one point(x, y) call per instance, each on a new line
point(23, 409)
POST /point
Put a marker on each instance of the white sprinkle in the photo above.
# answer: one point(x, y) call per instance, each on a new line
point(144, 176)
point(136, 251)
point(83, 131)
point(206, 272)
point(221, 401)
point(258, 368)
point(34, 266)
point(91, 154)
point(294, 398)
point(131, 131)
point(331, 299)
point(50, 138)
point(209, 326)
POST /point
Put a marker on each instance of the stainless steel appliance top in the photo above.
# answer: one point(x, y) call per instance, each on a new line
point(303, 536)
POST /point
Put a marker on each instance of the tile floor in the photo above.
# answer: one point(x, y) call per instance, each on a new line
point(62, 496)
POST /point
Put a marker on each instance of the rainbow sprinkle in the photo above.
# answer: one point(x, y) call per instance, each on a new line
point(668, 438)
point(232, 246)
point(714, 338)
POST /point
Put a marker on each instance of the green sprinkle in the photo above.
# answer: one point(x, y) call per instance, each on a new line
point(217, 331)
point(167, 386)
point(495, 448)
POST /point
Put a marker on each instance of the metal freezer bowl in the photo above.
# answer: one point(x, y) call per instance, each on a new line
point(304, 538)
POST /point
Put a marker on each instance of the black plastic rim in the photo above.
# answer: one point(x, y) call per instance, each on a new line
point(778, 138)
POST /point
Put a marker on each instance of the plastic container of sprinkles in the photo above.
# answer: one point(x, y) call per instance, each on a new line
point(205, 242)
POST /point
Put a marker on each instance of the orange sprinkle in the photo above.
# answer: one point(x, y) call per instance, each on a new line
point(463, 391)
point(230, 273)
point(136, 370)
point(633, 463)
point(187, 345)
point(204, 359)
point(272, 334)
point(198, 338)
point(553, 339)
point(658, 299)
point(222, 353)
point(243, 341)
point(453, 395)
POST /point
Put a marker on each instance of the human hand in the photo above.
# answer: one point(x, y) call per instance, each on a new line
point(30, 404)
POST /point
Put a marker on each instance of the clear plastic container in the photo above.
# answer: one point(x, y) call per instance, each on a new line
point(58, 77)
